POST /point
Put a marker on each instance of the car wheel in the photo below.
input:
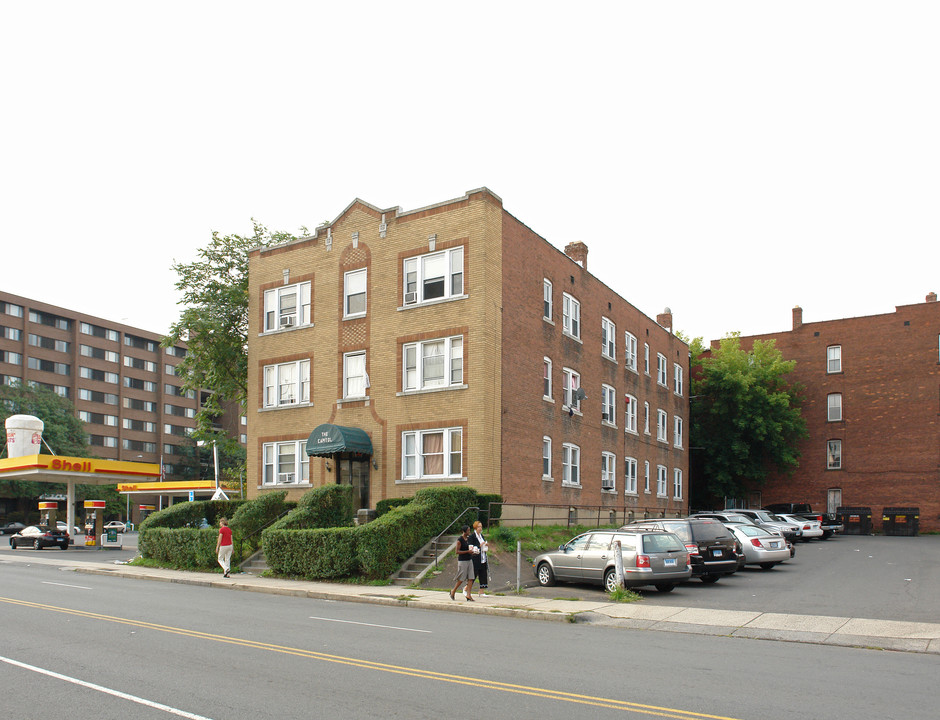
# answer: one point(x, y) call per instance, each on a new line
point(610, 580)
point(665, 587)
point(545, 576)
point(827, 534)
point(709, 579)
point(64, 546)
point(13, 543)
point(767, 566)
point(36, 545)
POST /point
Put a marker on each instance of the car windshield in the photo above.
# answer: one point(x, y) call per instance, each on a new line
point(661, 542)
point(752, 530)
point(709, 530)
point(680, 529)
point(738, 519)
point(765, 516)
point(578, 543)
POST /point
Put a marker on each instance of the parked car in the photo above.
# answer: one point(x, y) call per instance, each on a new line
point(768, 520)
point(760, 546)
point(830, 523)
point(116, 525)
point(710, 544)
point(649, 557)
point(10, 528)
point(810, 528)
point(62, 526)
point(39, 537)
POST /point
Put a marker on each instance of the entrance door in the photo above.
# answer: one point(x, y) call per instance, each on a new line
point(833, 500)
point(354, 471)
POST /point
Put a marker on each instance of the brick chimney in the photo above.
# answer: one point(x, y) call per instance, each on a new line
point(577, 251)
point(797, 317)
point(664, 319)
point(932, 297)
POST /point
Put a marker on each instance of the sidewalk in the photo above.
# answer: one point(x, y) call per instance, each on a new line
point(823, 630)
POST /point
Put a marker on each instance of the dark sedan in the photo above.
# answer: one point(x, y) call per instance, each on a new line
point(39, 537)
point(11, 528)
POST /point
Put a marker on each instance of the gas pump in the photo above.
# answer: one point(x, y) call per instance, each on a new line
point(48, 514)
point(94, 522)
point(145, 511)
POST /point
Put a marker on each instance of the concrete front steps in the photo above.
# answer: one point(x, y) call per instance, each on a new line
point(256, 564)
point(416, 567)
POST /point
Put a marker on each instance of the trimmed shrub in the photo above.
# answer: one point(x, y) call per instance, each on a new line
point(312, 554)
point(322, 507)
point(253, 515)
point(483, 501)
point(383, 506)
point(185, 548)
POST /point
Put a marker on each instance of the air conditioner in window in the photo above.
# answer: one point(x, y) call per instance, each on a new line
point(411, 298)
point(285, 477)
point(287, 320)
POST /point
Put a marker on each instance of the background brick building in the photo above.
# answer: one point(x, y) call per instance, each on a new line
point(455, 339)
point(872, 410)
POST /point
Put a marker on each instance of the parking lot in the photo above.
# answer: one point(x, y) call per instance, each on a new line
point(890, 578)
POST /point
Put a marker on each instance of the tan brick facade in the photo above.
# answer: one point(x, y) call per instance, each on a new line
point(495, 410)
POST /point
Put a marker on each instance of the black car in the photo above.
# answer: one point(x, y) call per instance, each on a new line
point(39, 537)
point(11, 528)
point(710, 544)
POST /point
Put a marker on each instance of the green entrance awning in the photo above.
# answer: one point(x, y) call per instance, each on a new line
point(327, 440)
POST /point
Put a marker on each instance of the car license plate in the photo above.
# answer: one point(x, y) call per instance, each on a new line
point(669, 562)
point(716, 553)
point(775, 545)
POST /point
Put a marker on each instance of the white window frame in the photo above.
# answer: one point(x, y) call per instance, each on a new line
point(833, 458)
point(546, 378)
point(546, 457)
point(571, 465)
point(677, 431)
point(414, 276)
point(662, 420)
point(571, 316)
point(646, 418)
point(547, 307)
point(608, 472)
point(608, 405)
point(629, 351)
point(355, 377)
point(676, 484)
point(608, 339)
point(661, 481)
point(273, 472)
point(571, 381)
point(629, 414)
point(834, 409)
point(629, 476)
point(646, 476)
point(677, 379)
point(661, 372)
point(646, 358)
point(413, 364)
point(275, 319)
point(283, 391)
point(414, 458)
point(834, 359)
point(351, 289)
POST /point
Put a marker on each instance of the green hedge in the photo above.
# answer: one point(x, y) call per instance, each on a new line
point(184, 548)
point(190, 514)
point(322, 507)
point(251, 517)
point(383, 506)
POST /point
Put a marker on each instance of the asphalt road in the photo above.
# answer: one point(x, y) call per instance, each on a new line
point(113, 648)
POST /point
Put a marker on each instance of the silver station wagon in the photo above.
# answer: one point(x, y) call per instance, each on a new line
point(650, 557)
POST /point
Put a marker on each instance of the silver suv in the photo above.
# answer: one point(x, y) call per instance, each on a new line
point(650, 557)
point(770, 521)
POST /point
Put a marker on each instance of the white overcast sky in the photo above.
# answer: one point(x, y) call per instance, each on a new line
point(728, 160)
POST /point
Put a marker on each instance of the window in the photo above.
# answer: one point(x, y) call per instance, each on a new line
point(646, 475)
point(178, 430)
point(11, 309)
point(629, 418)
point(49, 366)
point(9, 333)
point(287, 383)
point(48, 343)
point(139, 425)
point(98, 331)
point(96, 396)
point(44, 318)
point(287, 306)
point(608, 483)
point(661, 419)
point(140, 343)
point(435, 276)
point(646, 418)
point(571, 316)
point(139, 364)
point(646, 358)
point(14, 358)
point(834, 455)
point(99, 353)
point(608, 405)
point(676, 484)
point(571, 383)
point(432, 454)
point(285, 463)
point(571, 465)
point(661, 369)
point(608, 339)
point(629, 351)
point(835, 407)
point(834, 359)
point(661, 481)
point(546, 299)
point(677, 431)
point(355, 379)
point(102, 441)
point(179, 411)
point(629, 476)
point(176, 351)
point(546, 458)
point(432, 364)
point(135, 383)
point(178, 391)
point(137, 404)
point(97, 418)
point(354, 293)
point(677, 378)
point(547, 378)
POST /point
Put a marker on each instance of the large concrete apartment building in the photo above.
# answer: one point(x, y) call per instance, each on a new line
point(397, 350)
point(872, 411)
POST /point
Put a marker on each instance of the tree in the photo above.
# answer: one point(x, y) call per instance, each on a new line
point(746, 417)
point(214, 321)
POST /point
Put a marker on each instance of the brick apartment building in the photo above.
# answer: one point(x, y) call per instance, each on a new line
point(872, 411)
point(122, 383)
point(451, 344)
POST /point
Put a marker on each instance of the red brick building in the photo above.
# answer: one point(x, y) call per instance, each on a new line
point(872, 411)
point(452, 344)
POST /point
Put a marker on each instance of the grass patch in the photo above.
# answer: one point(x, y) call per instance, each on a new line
point(536, 539)
point(622, 595)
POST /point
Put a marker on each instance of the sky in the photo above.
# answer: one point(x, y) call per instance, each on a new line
point(728, 160)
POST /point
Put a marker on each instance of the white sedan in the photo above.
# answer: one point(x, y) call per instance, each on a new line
point(761, 547)
point(811, 528)
point(116, 525)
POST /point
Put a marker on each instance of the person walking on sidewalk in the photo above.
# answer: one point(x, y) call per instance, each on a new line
point(480, 546)
point(464, 564)
point(223, 546)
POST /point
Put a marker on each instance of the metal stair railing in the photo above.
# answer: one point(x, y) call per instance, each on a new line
point(442, 534)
